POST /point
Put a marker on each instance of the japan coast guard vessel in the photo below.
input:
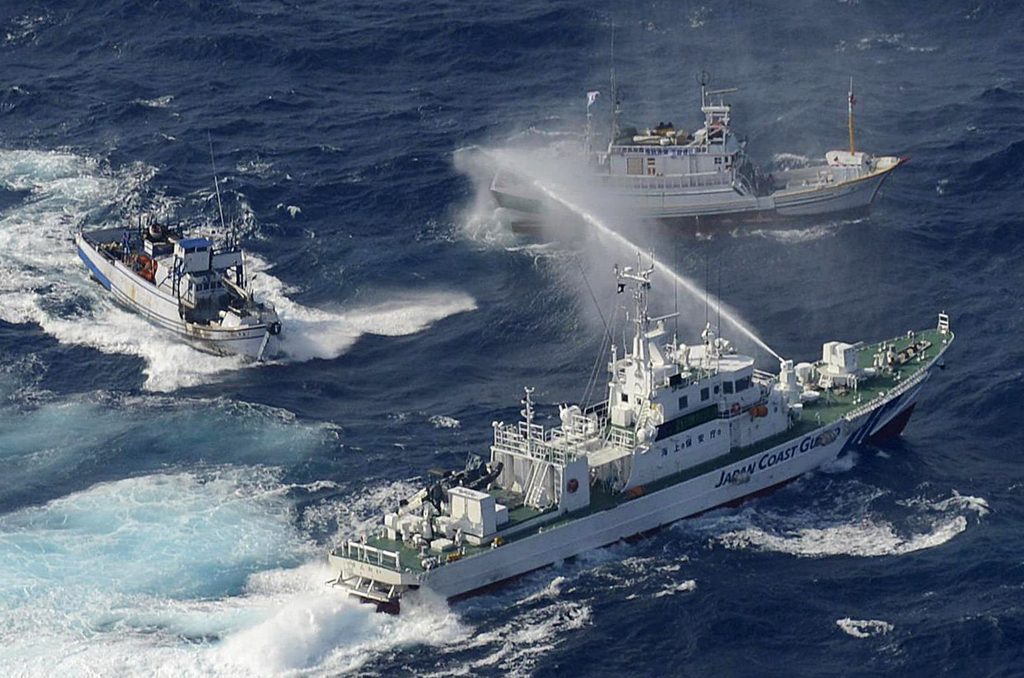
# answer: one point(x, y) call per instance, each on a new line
point(684, 429)
point(669, 174)
point(189, 286)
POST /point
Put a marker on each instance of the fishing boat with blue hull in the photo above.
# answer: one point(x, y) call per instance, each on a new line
point(681, 429)
point(187, 285)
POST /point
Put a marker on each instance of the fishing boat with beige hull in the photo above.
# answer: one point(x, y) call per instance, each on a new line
point(668, 174)
point(681, 429)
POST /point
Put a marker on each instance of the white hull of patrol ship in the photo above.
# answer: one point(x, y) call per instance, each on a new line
point(667, 175)
point(745, 478)
point(196, 303)
point(684, 429)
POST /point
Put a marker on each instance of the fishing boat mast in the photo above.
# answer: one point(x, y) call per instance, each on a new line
point(850, 101)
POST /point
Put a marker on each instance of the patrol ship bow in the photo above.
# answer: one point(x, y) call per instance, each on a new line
point(682, 429)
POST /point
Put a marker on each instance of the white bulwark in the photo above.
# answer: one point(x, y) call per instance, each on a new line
point(681, 429)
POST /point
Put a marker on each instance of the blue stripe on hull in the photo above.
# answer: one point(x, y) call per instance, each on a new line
point(92, 267)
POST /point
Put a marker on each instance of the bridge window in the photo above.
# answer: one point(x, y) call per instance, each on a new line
point(683, 402)
point(704, 393)
point(742, 384)
point(727, 386)
point(625, 397)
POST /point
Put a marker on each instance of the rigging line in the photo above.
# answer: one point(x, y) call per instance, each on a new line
point(216, 185)
point(593, 297)
point(595, 370)
point(607, 332)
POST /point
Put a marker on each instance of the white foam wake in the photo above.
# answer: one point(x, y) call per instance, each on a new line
point(319, 333)
point(186, 574)
point(867, 538)
point(933, 523)
point(42, 280)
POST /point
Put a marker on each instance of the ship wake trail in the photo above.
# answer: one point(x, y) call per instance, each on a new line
point(237, 601)
point(853, 528)
point(609, 234)
point(311, 333)
point(43, 282)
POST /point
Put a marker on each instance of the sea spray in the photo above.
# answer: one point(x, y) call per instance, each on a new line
point(609, 233)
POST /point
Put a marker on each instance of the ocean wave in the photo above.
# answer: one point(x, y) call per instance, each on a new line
point(163, 101)
point(852, 528)
point(186, 573)
point(44, 282)
point(864, 628)
point(442, 421)
point(515, 647)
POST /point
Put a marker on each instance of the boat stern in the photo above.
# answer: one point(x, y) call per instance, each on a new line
point(887, 163)
point(510, 192)
point(371, 574)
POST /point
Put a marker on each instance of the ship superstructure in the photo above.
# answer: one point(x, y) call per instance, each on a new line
point(683, 428)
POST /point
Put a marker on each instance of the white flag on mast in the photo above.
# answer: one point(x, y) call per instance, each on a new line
point(592, 97)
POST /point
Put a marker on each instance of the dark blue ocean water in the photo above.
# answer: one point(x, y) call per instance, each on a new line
point(166, 511)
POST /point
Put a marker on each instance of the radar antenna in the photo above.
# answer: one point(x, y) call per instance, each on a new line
point(703, 79)
point(640, 280)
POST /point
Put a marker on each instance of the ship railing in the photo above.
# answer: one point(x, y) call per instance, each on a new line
point(622, 438)
point(365, 553)
point(899, 389)
point(532, 441)
point(692, 180)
